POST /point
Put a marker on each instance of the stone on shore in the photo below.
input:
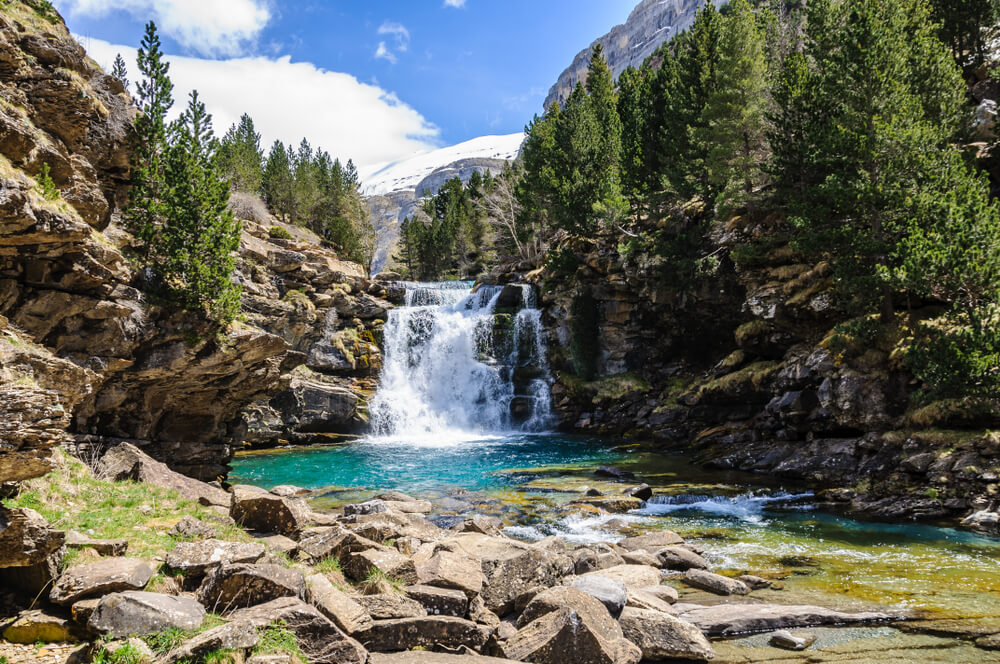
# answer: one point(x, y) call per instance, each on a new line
point(193, 528)
point(583, 633)
point(240, 585)
point(409, 633)
point(680, 559)
point(336, 605)
point(321, 641)
point(714, 583)
point(640, 599)
point(665, 593)
point(256, 509)
point(390, 563)
point(446, 569)
point(633, 576)
point(661, 636)
point(787, 641)
point(100, 578)
point(139, 613)
point(733, 619)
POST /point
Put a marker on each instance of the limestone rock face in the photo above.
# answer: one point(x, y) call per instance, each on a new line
point(651, 23)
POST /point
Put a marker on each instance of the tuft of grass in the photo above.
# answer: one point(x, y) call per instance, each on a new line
point(127, 654)
point(166, 640)
point(378, 582)
point(277, 639)
point(328, 565)
point(222, 657)
point(45, 184)
point(70, 497)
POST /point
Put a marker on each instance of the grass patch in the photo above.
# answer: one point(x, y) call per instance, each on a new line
point(378, 582)
point(328, 565)
point(71, 498)
point(127, 654)
point(277, 639)
point(163, 642)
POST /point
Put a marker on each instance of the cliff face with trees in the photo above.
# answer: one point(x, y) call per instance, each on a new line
point(114, 325)
point(774, 244)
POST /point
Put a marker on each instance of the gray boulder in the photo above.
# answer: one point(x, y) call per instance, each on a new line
point(409, 633)
point(197, 558)
point(336, 605)
point(236, 586)
point(583, 633)
point(440, 601)
point(679, 558)
point(236, 635)
point(138, 613)
point(264, 512)
point(390, 606)
point(321, 641)
point(714, 583)
point(661, 636)
point(610, 592)
point(101, 578)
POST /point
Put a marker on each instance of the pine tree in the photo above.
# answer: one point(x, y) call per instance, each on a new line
point(155, 98)
point(966, 26)
point(199, 234)
point(277, 181)
point(610, 206)
point(733, 126)
point(119, 71)
point(241, 158)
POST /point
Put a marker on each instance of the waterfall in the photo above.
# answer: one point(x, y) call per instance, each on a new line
point(457, 365)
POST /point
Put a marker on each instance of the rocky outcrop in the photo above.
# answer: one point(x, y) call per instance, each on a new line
point(651, 23)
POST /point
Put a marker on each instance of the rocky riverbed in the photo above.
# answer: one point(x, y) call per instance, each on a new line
point(211, 571)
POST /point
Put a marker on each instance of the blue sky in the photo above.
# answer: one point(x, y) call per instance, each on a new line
point(415, 74)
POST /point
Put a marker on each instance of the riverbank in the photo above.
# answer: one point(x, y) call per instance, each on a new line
point(399, 572)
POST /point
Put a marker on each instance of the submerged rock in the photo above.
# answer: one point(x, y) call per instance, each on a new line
point(788, 641)
point(734, 619)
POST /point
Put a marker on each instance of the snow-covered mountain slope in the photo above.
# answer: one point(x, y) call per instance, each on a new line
point(407, 173)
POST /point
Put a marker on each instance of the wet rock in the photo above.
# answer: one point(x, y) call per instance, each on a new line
point(619, 505)
point(633, 576)
point(679, 558)
point(370, 507)
point(652, 542)
point(446, 569)
point(511, 567)
point(193, 528)
point(40, 627)
point(409, 633)
point(336, 605)
point(733, 619)
point(394, 565)
point(983, 521)
point(661, 636)
point(75, 540)
point(440, 601)
point(240, 585)
point(616, 473)
point(264, 512)
point(236, 635)
point(106, 576)
point(138, 614)
point(714, 583)
point(26, 538)
point(128, 462)
point(609, 592)
point(642, 492)
point(787, 641)
point(196, 558)
point(289, 491)
point(754, 582)
point(390, 606)
point(321, 641)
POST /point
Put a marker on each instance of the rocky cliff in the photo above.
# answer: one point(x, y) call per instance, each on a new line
point(747, 364)
point(650, 24)
point(85, 356)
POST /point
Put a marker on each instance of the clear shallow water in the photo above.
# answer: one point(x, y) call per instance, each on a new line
point(530, 480)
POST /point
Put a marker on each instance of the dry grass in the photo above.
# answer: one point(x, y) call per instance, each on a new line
point(249, 207)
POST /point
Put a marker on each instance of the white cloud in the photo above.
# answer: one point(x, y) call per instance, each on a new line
point(291, 100)
point(383, 53)
point(458, 4)
point(207, 27)
point(401, 36)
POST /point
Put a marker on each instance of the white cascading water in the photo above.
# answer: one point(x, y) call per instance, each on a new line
point(444, 378)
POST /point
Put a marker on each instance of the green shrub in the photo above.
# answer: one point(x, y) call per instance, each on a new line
point(562, 262)
point(46, 185)
point(584, 326)
point(44, 9)
point(279, 233)
point(955, 359)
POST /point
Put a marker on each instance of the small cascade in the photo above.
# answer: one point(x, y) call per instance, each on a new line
point(460, 362)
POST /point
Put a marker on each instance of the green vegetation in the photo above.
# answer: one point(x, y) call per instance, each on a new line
point(178, 202)
point(71, 498)
point(277, 639)
point(279, 233)
point(378, 582)
point(584, 345)
point(126, 654)
point(46, 185)
point(119, 71)
point(327, 565)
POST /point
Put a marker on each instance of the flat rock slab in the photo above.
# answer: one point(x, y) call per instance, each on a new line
point(75, 540)
point(440, 601)
point(714, 583)
point(423, 657)
point(389, 563)
point(101, 578)
point(336, 605)
point(409, 633)
point(638, 576)
point(446, 569)
point(652, 542)
point(734, 619)
point(128, 462)
point(640, 599)
point(240, 634)
point(661, 636)
point(138, 614)
point(236, 586)
point(40, 627)
point(196, 558)
point(615, 505)
point(391, 606)
point(321, 641)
